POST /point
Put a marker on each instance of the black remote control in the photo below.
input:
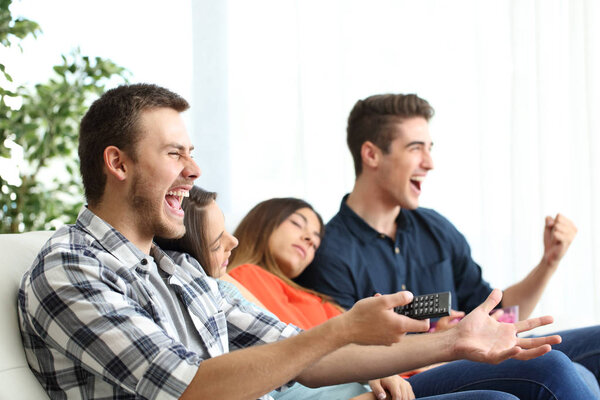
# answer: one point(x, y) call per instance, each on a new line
point(427, 306)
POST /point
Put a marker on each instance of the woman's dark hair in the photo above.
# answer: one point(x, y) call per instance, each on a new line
point(195, 241)
point(254, 232)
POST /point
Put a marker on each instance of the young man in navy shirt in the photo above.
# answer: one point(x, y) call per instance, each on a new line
point(380, 241)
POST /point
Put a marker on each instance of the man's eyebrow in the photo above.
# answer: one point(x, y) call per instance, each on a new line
point(419, 142)
point(217, 239)
point(179, 146)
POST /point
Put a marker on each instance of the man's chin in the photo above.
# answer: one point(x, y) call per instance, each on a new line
point(178, 234)
point(171, 231)
point(410, 205)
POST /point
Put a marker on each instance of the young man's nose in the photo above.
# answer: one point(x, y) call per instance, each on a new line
point(427, 160)
point(192, 170)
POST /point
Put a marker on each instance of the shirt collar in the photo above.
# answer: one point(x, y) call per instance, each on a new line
point(362, 230)
point(162, 259)
point(111, 239)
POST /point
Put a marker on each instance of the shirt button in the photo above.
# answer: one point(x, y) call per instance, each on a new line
point(397, 250)
point(381, 235)
point(144, 261)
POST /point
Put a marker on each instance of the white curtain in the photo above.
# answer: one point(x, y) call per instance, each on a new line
point(515, 85)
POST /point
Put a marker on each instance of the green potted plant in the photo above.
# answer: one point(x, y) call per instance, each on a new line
point(39, 135)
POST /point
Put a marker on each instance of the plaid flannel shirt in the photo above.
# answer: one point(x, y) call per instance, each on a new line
point(91, 328)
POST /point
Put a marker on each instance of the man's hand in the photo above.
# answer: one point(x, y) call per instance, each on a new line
point(558, 235)
point(372, 321)
point(480, 337)
point(397, 387)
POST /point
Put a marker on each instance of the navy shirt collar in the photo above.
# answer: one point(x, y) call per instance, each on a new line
point(363, 231)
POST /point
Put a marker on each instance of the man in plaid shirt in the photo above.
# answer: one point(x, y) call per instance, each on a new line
point(104, 313)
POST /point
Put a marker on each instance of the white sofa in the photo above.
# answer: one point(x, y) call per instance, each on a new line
point(17, 252)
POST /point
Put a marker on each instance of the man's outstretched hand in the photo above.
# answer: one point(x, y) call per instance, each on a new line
point(480, 337)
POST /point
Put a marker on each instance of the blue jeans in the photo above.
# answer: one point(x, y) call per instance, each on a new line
point(582, 346)
point(552, 376)
point(473, 395)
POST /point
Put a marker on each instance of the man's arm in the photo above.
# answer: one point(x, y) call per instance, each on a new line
point(478, 337)
point(558, 235)
point(254, 371)
point(366, 342)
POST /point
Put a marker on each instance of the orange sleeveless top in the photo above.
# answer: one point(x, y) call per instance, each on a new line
point(290, 305)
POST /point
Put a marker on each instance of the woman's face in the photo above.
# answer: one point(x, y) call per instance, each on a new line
point(220, 242)
point(294, 242)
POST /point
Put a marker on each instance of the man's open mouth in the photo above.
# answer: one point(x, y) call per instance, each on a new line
point(174, 198)
point(416, 181)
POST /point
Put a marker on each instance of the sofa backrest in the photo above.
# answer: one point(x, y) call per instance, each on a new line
point(17, 252)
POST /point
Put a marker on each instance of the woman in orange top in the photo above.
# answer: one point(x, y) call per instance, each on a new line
point(278, 239)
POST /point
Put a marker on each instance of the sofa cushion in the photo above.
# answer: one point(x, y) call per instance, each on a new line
point(17, 252)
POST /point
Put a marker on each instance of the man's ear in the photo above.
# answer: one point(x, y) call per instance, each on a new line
point(115, 161)
point(370, 154)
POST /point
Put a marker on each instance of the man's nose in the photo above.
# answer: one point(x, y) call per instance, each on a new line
point(192, 170)
point(427, 160)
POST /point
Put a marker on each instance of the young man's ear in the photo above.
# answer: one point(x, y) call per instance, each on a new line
point(115, 161)
point(370, 154)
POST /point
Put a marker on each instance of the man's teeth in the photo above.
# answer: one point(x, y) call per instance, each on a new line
point(417, 178)
point(180, 193)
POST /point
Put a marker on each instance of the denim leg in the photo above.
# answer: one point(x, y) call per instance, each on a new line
point(589, 378)
point(552, 376)
point(582, 346)
point(473, 395)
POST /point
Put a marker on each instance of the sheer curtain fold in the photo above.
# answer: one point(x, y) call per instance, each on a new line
point(516, 90)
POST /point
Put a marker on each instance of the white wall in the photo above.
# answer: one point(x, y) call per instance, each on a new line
point(514, 84)
point(151, 38)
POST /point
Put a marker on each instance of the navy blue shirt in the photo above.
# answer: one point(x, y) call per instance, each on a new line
point(427, 255)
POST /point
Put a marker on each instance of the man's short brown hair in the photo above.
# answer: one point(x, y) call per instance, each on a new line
point(373, 119)
point(113, 120)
